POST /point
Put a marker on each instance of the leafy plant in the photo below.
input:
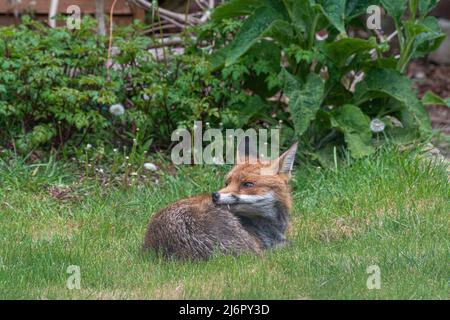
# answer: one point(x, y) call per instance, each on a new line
point(336, 85)
point(56, 91)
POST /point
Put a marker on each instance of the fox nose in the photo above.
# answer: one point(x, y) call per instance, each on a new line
point(215, 197)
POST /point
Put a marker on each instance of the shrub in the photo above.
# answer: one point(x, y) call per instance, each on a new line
point(328, 107)
point(55, 91)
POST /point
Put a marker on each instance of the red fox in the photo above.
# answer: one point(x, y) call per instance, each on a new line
point(250, 214)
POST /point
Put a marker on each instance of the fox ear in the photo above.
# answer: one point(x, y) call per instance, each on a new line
point(246, 152)
point(285, 162)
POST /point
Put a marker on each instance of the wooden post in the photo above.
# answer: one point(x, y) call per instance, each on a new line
point(100, 16)
point(52, 12)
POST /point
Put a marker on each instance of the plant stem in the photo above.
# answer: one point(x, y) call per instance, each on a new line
point(312, 33)
point(405, 56)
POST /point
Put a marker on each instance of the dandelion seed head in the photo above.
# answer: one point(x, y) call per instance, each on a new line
point(150, 166)
point(376, 125)
point(117, 109)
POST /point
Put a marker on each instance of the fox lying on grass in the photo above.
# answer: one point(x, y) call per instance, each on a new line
point(249, 215)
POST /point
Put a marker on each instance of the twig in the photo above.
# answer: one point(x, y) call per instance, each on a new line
point(381, 39)
point(157, 28)
point(165, 42)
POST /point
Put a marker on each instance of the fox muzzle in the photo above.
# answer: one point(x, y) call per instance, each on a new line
point(224, 198)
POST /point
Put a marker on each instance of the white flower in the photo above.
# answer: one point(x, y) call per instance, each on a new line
point(146, 97)
point(150, 166)
point(376, 125)
point(117, 109)
point(89, 146)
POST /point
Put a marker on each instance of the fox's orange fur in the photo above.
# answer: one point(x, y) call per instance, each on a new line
point(250, 213)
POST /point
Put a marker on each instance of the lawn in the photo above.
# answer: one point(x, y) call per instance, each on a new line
point(390, 210)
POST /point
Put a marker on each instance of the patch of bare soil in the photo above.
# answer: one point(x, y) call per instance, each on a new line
point(436, 78)
point(428, 76)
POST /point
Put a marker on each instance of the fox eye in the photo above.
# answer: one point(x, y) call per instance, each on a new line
point(247, 184)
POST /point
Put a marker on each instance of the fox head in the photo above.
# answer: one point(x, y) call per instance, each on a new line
point(255, 188)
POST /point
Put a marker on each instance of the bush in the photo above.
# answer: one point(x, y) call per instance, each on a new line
point(55, 91)
point(57, 94)
point(326, 109)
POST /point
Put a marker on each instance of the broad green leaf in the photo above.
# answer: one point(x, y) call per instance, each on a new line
point(282, 32)
point(356, 8)
point(302, 16)
point(253, 28)
point(355, 126)
point(278, 6)
point(383, 63)
point(217, 59)
point(429, 39)
point(391, 83)
point(340, 50)
point(395, 8)
point(426, 6)
point(432, 98)
point(290, 82)
point(414, 28)
point(235, 8)
point(402, 136)
point(305, 101)
point(334, 11)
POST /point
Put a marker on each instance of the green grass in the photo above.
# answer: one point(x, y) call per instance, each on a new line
point(391, 210)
